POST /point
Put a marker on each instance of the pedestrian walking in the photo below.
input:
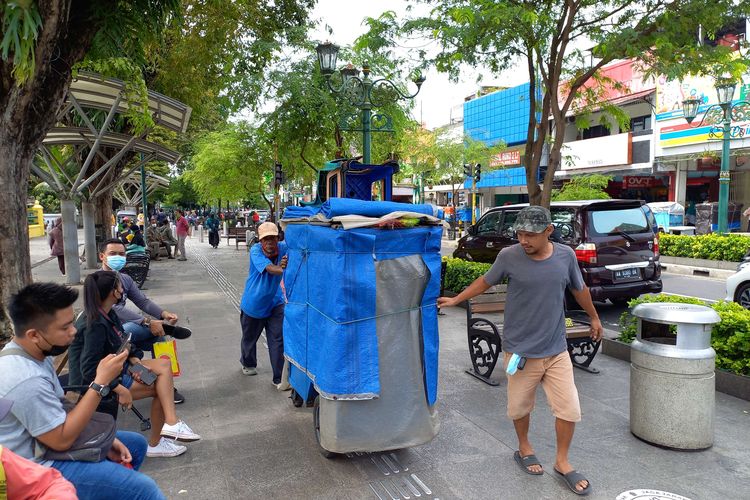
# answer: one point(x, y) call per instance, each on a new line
point(56, 244)
point(262, 305)
point(212, 224)
point(538, 272)
point(182, 227)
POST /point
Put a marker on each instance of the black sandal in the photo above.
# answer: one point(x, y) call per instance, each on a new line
point(572, 478)
point(526, 462)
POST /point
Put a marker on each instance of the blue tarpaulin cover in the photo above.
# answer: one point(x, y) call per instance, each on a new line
point(330, 318)
point(345, 206)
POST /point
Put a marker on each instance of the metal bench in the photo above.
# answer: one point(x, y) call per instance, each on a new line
point(485, 341)
point(136, 266)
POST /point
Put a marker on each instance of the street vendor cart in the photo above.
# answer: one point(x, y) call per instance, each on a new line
point(360, 324)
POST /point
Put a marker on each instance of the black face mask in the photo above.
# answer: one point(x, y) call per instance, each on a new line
point(54, 350)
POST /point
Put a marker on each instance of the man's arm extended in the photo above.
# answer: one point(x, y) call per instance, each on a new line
point(478, 287)
point(583, 297)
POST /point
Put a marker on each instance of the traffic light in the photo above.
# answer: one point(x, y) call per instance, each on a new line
point(467, 170)
point(279, 175)
point(477, 172)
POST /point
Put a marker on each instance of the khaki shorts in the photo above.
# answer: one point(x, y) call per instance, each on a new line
point(555, 373)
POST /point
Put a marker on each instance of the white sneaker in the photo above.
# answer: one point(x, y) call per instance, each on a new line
point(179, 431)
point(283, 386)
point(249, 370)
point(165, 448)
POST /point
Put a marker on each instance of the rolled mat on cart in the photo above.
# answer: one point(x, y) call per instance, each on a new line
point(345, 206)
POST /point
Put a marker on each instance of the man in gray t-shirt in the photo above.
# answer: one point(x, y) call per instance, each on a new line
point(538, 273)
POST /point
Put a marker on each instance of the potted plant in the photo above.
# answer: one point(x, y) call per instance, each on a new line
point(708, 159)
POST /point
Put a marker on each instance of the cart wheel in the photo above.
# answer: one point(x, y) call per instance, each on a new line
point(296, 399)
point(316, 421)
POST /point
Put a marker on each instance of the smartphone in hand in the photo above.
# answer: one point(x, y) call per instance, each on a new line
point(147, 376)
point(125, 344)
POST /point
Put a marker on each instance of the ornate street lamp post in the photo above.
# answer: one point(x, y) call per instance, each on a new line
point(720, 116)
point(359, 92)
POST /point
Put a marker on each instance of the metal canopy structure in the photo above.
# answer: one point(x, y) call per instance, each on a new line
point(130, 191)
point(90, 90)
point(90, 95)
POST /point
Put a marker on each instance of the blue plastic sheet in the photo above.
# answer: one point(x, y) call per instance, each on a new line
point(346, 206)
point(330, 319)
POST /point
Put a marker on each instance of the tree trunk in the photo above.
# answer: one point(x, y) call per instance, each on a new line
point(103, 213)
point(88, 210)
point(15, 263)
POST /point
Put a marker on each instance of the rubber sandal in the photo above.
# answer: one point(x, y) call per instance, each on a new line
point(574, 477)
point(526, 462)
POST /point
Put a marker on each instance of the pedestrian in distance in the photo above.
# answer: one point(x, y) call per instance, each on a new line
point(56, 244)
point(212, 224)
point(262, 305)
point(538, 272)
point(182, 227)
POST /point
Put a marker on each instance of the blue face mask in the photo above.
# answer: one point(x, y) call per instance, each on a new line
point(115, 262)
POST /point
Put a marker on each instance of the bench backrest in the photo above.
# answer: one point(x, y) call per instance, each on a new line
point(493, 300)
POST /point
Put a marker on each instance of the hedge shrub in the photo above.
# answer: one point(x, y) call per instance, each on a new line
point(461, 273)
point(730, 247)
point(730, 338)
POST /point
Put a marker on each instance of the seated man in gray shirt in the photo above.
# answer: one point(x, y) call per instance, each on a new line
point(42, 315)
point(538, 272)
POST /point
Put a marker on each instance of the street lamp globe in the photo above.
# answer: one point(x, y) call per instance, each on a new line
point(419, 79)
point(725, 90)
point(348, 72)
point(327, 54)
point(690, 108)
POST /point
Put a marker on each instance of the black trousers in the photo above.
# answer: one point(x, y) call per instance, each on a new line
point(213, 238)
point(251, 330)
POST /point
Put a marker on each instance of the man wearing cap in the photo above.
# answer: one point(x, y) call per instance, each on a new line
point(538, 272)
point(22, 478)
point(262, 304)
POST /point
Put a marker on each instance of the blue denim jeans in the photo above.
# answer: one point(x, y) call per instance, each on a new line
point(109, 480)
point(142, 338)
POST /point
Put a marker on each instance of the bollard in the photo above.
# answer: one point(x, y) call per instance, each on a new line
point(200, 232)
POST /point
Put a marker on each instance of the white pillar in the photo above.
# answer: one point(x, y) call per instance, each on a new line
point(89, 235)
point(70, 242)
point(226, 228)
point(680, 176)
point(200, 232)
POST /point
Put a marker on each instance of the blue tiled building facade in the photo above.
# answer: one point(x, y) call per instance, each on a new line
point(499, 116)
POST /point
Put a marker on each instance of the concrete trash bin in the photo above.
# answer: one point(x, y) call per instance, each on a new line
point(672, 380)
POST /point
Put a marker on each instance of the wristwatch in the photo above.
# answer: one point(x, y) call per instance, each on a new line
point(147, 322)
point(101, 390)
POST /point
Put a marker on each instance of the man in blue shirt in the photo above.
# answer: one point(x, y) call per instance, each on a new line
point(262, 303)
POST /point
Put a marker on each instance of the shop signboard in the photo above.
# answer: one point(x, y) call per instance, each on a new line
point(506, 158)
point(598, 152)
point(671, 93)
point(684, 133)
point(640, 182)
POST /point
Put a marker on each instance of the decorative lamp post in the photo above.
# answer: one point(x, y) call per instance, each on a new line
point(720, 117)
point(358, 90)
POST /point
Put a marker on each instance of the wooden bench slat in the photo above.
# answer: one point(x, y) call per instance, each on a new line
point(488, 308)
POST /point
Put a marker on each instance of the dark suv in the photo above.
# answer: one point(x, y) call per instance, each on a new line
point(614, 241)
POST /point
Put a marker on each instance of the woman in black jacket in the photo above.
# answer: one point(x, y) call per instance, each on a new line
point(100, 333)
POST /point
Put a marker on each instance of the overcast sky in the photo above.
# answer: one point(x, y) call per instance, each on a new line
point(438, 95)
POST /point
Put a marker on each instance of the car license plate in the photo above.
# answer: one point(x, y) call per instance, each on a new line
point(624, 274)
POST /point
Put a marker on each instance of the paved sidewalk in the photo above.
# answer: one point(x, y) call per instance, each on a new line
point(257, 445)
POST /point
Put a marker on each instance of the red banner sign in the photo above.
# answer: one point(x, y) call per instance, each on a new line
point(506, 158)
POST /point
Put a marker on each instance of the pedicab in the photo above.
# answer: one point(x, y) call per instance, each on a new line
point(360, 323)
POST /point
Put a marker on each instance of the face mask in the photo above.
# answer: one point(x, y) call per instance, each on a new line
point(153, 225)
point(54, 350)
point(115, 262)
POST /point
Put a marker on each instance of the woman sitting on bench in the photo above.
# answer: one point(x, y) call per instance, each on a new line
point(100, 333)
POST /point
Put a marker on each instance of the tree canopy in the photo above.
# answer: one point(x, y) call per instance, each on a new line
point(550, 40)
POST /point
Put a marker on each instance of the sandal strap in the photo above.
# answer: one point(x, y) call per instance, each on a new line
point(530, 460)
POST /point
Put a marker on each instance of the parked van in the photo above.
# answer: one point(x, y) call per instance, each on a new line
point(614, 241)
